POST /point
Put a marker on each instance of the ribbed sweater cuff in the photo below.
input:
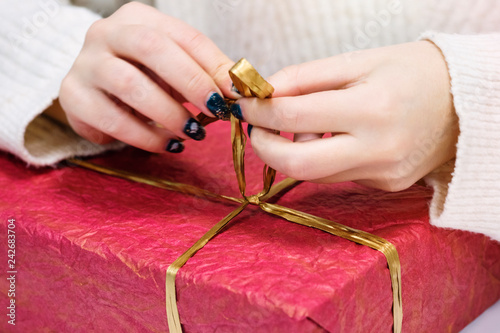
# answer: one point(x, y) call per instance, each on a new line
point(39, 42)
point(471, 200)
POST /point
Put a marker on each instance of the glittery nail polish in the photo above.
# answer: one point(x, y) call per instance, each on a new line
point(194, 130)
point(249, 130)
point(236, 111)
point(175, 146)
point(218, 106)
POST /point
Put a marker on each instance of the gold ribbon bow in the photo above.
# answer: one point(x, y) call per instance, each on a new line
point(248, 81)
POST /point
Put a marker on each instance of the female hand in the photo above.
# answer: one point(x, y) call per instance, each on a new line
point(389, 110)
point(135, 71)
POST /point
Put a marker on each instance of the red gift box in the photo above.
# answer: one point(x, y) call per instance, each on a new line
point(92, 252)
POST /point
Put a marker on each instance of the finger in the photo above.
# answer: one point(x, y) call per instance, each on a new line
point(138, 91)
point(314, 159)
point(171, 63)
point(106, 117)
point(204, 52)
point(356, 175)
point(197, 45)
point(321, 112)
point(163, 85)
point(325, 74)
point(348, 175)
point(88, 132)
point(174, 145)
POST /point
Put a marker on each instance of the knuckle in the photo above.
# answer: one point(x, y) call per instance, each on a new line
point(110, 126)
point(96, 31)
point(395, 184)
point(149, 42)
point(195, 81)
point(67, 89)
point(390, 168)
point(393, 152)
point(284, 117)
point(123, 81)
point(396, 177)
point(291, 74)
point(131, 7)
point(220, 70)
point(70, 94)
point(196, 41)
point(89, 133)
point(384, 106)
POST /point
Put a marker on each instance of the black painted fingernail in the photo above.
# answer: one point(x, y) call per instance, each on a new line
point(175, 146)
point(233, 89)
point(194, 130)
point(218, 106)
point(236, 111)
point(249, 130)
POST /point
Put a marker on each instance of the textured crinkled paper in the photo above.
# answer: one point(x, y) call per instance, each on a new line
point(92, 252)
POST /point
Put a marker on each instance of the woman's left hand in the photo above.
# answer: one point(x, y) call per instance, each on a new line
point(390, 112)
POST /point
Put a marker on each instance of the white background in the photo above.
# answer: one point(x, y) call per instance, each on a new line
point(488, 322)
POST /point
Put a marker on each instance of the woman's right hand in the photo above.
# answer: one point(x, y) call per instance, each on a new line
point(134, 72)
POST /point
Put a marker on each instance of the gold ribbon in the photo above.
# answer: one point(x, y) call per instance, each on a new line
point(248, 81)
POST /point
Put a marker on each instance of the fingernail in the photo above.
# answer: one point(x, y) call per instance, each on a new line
point(218, 106)
point(233, 89)
point(194, 130)
point(175, 146)
point(236, 111)
point(249, 130)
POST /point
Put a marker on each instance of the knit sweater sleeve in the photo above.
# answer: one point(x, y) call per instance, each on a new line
point(39, 41)
point(467, 190)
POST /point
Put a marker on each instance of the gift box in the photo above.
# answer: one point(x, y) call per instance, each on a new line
point(92, 250)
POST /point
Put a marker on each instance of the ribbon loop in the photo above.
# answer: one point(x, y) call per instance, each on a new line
point(254, 200)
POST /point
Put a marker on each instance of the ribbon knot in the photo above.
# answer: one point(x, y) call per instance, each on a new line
point(254, 200)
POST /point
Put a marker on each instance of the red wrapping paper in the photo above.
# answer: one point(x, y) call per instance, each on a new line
point(92, 252)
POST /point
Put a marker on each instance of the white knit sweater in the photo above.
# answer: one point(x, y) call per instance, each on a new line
point(39, 40)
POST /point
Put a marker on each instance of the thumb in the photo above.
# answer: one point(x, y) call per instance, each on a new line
point(320, 75)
